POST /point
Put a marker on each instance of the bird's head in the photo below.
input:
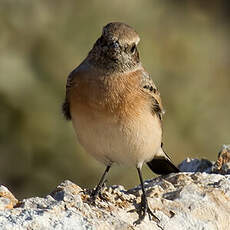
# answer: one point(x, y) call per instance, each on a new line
point(116, 48)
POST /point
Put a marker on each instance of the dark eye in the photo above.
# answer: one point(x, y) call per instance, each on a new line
point(133, 49)
point(115, 45)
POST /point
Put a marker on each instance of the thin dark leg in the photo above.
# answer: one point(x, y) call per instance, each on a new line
point(144, 204)
point(100, 184)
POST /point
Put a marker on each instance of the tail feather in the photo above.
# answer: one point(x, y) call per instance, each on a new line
point(162, 166)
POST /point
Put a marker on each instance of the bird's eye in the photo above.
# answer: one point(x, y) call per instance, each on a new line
point(115, 45)
point(133, 49)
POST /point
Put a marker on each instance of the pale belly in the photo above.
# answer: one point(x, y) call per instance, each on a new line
point(131, 142)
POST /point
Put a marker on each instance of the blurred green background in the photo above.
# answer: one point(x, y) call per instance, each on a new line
point(184, 45)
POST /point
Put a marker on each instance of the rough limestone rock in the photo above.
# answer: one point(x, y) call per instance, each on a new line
point(7, 199)
point(183, 201)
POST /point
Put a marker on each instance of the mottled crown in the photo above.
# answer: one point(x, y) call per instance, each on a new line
point(117, 31)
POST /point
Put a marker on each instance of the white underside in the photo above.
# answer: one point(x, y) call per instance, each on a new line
point(110, 141)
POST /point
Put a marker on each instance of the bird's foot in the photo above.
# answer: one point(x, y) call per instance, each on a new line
point(93, 197)
point(95, 193)
point(143, 209)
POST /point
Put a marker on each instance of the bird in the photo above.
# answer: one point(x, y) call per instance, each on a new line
point(116, 109)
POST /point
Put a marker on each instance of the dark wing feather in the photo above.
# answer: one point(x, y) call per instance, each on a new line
point(149, 87)
point(66, 110)
point(161, 164)
point(66, 104)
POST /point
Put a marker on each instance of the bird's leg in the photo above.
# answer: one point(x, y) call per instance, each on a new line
point(144, 204)
point(95, 192)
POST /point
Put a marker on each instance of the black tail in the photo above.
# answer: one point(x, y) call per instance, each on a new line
point(162, 166)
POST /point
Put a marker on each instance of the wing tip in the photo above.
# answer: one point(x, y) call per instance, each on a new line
point(66, 111)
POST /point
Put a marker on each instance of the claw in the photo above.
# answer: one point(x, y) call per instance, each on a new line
point(144, 204)
point(143, 209)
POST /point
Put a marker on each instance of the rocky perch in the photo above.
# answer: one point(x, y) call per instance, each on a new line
point(197, 198)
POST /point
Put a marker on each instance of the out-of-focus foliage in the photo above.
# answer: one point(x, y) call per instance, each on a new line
point(184, 45)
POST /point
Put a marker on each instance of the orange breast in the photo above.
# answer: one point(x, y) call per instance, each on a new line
point(117, 95)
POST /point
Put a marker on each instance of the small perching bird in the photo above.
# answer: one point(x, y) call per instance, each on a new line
point(116, 108)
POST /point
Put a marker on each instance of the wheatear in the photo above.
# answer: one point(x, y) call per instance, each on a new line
point(116, 108)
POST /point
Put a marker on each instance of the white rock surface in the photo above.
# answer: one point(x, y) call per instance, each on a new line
point(183, 201)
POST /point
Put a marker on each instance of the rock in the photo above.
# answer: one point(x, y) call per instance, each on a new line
point(7, 199)
point(196, 165)
point(197, 198)
point(180, 201)
point(221, 166)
